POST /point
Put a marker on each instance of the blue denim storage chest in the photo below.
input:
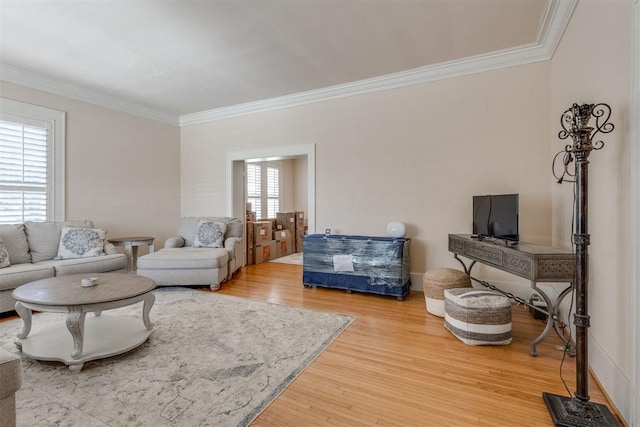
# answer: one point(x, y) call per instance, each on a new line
point(378, 265)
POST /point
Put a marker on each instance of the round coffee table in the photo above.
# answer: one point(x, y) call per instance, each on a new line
point(77, 341)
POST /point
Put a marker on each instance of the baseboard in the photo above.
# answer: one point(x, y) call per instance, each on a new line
point(612, 381)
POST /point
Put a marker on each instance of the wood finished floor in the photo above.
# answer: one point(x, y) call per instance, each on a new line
point(396, 365)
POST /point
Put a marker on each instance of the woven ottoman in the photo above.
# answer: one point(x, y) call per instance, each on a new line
point(435, 282)
point(477, 316)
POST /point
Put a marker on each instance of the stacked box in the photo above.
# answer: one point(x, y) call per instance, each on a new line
point(284, 244)
point(261, 231)
point(249, 243)
point(301, 230)
point(287, 220)
point(295, 222)
point(265, 251)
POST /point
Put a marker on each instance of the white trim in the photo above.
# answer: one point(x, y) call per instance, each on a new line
point(635, 215)
point(57, 120)
point(25, 78)
point(556, 20)
point(308, 150)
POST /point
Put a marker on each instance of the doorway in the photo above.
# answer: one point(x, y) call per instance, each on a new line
point(236, 188)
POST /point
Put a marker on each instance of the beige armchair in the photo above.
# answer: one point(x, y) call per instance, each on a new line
point(190, 259)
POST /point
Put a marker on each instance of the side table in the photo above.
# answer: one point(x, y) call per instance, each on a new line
point(130, 245)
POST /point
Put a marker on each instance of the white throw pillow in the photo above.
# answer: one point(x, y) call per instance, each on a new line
point(209, 234)
point(4, 256)
point(80, 243)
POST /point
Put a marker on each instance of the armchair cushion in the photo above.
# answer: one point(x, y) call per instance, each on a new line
point(209, 234)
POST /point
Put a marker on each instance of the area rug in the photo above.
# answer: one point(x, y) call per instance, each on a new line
point(290, 259)
point(212, 360)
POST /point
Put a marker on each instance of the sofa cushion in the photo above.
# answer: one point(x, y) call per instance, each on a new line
point(4, 256)
point(209, 234)
point(15, 240)
point(100, 264)
point(18, 274)
point(44, 237)
point(81, 243)
point(181, 258)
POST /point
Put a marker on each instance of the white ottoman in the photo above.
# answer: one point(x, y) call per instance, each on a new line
point(435, 282)
point(477, 316)
point(186, 267)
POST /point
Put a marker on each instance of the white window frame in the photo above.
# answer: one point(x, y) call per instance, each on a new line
point(15, 111)
point(264, 195)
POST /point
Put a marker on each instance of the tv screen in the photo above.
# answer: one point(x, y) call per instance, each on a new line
point(496, 216)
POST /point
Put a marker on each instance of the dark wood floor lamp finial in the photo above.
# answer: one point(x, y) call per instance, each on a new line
point(577, 410)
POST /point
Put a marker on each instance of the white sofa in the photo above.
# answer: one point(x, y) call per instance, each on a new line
point(180, 262)
point(32, 247)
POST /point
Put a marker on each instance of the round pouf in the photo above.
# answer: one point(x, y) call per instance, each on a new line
point(478, 316)
point(435, 282)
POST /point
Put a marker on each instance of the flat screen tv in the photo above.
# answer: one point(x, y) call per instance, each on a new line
point(496, 216)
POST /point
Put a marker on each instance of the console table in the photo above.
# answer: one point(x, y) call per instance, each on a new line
point(536, 263)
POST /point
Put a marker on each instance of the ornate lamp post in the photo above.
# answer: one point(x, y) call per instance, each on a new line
point(578, 411)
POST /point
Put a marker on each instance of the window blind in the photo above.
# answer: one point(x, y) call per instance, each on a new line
point(254, 188)
point(273, 191)
point(23, 171)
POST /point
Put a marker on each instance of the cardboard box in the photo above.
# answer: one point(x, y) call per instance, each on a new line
point(249, 244)
point(284, 243)
point(264, 251)
point(287, 220)
point(300, 232)
point(261, 231)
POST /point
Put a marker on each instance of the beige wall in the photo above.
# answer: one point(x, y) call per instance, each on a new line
point(416, 154)
point(300, 184)
point(122, 171)
point(592, 65)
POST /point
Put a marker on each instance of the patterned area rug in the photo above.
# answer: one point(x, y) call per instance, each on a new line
point(212, 360)
point(290, 259)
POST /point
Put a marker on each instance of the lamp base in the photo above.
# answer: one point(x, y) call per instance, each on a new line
point(572, 412)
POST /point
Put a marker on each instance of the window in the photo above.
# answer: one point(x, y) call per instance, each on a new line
point(31, 163)
point(263, 189)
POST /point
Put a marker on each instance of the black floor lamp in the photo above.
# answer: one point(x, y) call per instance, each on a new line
point(577, 410)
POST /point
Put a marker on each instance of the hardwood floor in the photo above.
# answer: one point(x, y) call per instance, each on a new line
point(396, 365)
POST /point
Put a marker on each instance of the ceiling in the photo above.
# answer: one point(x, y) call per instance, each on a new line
point(180, 57)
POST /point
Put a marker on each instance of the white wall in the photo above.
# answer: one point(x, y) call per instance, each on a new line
point(122, 171)
point(416, 154)
point(592, 65)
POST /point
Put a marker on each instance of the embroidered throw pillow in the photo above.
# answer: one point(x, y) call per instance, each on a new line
point(209, 234)
point(4, 256)
point(80, 243)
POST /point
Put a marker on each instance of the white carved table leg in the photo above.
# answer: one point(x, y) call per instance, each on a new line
point(128, 250)
point(75, 325)
point(149, 299)
point(25, 315)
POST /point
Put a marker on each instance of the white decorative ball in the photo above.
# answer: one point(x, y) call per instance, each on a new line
point(396, 229)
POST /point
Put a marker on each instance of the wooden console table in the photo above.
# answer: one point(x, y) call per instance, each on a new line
point(533, 262)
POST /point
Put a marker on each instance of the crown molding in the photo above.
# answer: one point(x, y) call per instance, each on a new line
point(25, 78)
point(555, 20)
